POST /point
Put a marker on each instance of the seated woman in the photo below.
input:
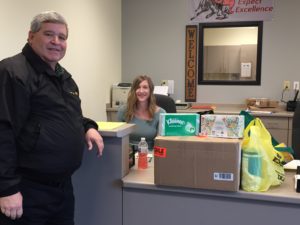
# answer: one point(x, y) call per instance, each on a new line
point(141, 109)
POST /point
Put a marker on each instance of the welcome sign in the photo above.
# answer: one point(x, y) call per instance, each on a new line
point(203, 11)
point(191, 63)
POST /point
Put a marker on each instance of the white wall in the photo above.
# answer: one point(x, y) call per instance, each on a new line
point(153, 42)
point(94, 45)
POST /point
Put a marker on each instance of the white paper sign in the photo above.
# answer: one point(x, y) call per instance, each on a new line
point(162, 90)
point(246, 69)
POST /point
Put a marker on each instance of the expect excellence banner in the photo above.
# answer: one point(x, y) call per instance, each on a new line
point(204, 11)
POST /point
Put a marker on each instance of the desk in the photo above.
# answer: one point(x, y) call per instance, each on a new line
point(151, 204)
point(97, 184)
point(278, 123)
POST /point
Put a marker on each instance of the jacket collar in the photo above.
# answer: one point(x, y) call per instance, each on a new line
point(40, 65)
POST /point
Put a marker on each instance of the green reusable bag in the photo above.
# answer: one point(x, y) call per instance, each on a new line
point(248, 118)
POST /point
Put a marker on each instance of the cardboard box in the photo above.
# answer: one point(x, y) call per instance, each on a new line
point(194, 162)
point(227, 126)
point(262, 103)
point(273, 104)
point(179, 124)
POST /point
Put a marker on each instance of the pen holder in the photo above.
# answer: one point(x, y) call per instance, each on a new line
point(291, 106)
point(297, 180)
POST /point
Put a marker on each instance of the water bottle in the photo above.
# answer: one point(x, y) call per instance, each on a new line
point(143, 153)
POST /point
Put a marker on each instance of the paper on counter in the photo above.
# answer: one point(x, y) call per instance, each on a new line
point(109, 125)
point(292, 165)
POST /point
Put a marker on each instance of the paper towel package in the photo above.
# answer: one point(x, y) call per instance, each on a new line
point(227, 126)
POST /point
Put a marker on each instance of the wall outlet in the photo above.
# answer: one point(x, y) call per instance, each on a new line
point(296, 85)
point(286, 84)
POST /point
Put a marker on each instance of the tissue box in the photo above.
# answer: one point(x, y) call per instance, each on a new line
point(179, 124)
point(227, 126)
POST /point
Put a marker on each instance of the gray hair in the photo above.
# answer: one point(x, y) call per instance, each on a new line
point(47, 17)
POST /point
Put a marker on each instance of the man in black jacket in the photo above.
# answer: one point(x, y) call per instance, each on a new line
point(42, 130)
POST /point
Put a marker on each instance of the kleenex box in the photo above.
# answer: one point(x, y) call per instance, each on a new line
point(179, 124)
point(227, 126)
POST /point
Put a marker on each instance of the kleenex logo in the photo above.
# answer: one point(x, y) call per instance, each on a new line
point(175, 121)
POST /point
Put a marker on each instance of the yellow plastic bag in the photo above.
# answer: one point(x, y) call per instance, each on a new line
point(262, 164)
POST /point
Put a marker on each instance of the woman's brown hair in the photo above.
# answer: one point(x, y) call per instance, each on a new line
point(132, 99)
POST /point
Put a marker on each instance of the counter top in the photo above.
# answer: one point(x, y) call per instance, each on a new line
point(119, 131)
point(237, 108)
point(285, 193)
point(233, 109)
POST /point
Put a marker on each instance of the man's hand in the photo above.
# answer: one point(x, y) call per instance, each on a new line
point(93, 136)
point(11, 206)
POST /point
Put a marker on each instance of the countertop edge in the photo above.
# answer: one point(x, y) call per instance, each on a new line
point(275, 194)
point(118, 132)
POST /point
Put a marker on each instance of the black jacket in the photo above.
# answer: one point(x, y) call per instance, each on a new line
point(41, 124)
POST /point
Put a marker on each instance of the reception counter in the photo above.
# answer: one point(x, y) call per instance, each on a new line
point(144, 201)
point(107, 192)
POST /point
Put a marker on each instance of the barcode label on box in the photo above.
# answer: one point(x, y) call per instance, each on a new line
point(223, 176)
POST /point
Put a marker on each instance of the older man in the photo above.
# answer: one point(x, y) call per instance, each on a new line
point(42, 130)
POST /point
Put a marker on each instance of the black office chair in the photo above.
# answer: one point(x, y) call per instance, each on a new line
point(165, 102)
point(296, 132)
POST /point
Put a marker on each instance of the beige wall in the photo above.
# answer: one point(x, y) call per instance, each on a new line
point(153, 42)
point(94, 44)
